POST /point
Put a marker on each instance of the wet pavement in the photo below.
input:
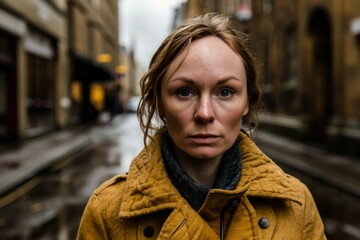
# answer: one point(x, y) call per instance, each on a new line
point(19, 164)
point(49, 204)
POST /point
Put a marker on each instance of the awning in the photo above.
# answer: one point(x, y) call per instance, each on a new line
point(86, 69)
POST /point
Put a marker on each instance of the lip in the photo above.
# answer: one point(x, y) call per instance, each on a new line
point(204, 138)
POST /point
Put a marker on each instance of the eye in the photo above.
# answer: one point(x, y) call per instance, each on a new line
point(183, 92)
point(226, 92)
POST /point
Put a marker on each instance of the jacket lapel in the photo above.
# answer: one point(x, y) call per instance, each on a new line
point(266, 179)
point(148, 189)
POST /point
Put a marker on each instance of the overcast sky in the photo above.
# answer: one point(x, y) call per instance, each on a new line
point(144, 24)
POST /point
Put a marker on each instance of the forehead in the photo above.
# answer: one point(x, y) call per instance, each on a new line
point(209, 52)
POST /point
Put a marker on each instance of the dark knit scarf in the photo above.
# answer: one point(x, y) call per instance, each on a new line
point(195, 193)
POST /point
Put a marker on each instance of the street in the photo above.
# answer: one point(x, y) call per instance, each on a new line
point(50, 205)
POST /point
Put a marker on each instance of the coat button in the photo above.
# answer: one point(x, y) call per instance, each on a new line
point(264, 222)
point(149, 232)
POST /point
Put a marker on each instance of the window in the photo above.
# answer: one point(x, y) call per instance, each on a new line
point(40, 94)
point(267, 6)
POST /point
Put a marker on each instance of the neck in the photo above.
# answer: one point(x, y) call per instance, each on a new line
point(202, 171)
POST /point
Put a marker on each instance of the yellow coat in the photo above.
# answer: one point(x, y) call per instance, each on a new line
point(143, 204)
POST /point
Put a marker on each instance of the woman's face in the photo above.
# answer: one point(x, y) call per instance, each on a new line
point(204, 100)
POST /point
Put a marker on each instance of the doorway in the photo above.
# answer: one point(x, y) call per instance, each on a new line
point(8, 88)
point(319, 102)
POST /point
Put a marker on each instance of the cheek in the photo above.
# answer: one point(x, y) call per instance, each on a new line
point(175, 125)
point(233, 120)
point(176, 119)
point(175, 114)
point(234, 110)
point(232, 117)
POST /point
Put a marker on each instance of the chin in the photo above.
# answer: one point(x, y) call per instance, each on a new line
point(205, 155)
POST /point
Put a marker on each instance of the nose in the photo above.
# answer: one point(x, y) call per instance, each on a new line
point(204, 112)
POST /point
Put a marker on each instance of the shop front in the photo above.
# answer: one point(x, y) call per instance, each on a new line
point(89, 85)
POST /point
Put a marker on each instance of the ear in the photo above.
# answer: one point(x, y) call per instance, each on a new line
point(246, 109)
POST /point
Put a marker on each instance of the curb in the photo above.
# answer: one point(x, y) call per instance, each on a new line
point(26, 163)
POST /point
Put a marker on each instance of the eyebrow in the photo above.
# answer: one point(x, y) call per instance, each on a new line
point(220, 81)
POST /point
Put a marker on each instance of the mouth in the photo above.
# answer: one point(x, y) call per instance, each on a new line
point(204, 138)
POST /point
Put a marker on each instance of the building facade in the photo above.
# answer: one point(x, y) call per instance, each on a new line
point(94, 57)
point(33, 49)
point(309, 56)
point(56, 58)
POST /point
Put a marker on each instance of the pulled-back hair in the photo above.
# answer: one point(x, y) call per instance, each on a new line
point(210, 24)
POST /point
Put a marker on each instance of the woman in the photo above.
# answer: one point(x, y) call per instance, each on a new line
point(200, 176)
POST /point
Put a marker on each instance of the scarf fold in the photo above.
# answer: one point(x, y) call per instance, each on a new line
point(227, 178)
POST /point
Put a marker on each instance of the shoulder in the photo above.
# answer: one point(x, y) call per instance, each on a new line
point(300, 188)
point(109, 194)
point(266, 177)
point(303, 192)
point(112, 185)
point(102, 209)
point(307, 212)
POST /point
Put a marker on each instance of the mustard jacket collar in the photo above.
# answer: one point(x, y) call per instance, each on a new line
point(148, 188)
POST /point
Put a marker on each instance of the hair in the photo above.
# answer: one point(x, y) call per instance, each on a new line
point(210, 24)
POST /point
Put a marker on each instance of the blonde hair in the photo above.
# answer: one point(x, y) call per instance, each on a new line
point(210, 24)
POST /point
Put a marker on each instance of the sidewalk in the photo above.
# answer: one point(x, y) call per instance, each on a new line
point(338, 171)
point(19, 164)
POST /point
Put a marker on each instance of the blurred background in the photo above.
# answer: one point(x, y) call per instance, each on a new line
point(69, 72)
